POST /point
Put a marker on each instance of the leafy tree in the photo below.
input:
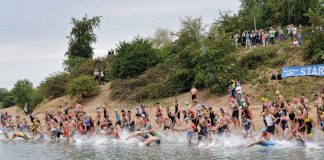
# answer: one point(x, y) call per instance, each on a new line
point(82, 37)
point(83, 86)
point(22, 93)
point(72, 65)
point(314, 51)
point(3, 93)
point(54, 85)
point(133, 58)
point(6, 99)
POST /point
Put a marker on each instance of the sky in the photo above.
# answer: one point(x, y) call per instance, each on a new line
point(33, 33)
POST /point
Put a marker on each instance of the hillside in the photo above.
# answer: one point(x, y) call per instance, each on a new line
point(256, 83)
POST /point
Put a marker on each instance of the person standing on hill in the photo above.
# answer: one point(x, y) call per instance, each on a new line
point(194, 92)
point(26, 109)
point(272, 33)
point(96, 75)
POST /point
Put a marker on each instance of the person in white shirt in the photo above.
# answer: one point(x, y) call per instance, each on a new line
point(238, 91)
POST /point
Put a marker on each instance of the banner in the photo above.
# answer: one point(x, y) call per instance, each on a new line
point(312, 70)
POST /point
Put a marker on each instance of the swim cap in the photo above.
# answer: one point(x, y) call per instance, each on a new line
point(264, 130)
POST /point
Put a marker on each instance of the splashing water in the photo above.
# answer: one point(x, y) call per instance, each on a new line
point(173, 146)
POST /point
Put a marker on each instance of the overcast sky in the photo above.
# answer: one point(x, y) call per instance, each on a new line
point(33, 32)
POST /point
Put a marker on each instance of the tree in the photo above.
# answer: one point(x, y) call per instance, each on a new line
point(22, 93)
point(133, 58)
point(3, 93)
point(82, 37)
point(161, 38)
point(6, 99)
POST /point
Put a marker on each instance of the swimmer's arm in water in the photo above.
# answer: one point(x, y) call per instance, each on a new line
point(134, 134)
point(148, 131)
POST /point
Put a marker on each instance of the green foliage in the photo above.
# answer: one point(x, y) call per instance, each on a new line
point(22, 93)
point(314, 51)
point(139, 88)
point(3, 93)
point(82, 37)
point(258, 57)
point(181, 79)
point(161, 38)
point(37, 97)
point(6, 99)
point(267, 13)
point(217, 66)
point(54, 85)
point(195, 58)
point(83, 86)
point(73, 65)
point(133, 58)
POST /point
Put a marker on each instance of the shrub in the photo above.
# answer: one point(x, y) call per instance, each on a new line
point(181, 79)
point(133, 58)
point(83, 86)
point(54, 85)
point(6, 100)
point(258, 57)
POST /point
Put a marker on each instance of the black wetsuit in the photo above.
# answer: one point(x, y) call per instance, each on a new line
point(172, 118)
point(177, 112)
point(212, 117)
point(301, 122)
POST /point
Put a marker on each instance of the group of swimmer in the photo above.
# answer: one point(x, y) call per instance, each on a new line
point(282, 118)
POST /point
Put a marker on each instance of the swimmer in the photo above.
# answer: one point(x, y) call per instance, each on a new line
point(247, 126)
point(19, 134)
point(147, 136)
point(190, 129)
point(264, 139)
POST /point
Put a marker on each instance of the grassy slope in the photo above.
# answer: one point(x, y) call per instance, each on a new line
point(258, 86)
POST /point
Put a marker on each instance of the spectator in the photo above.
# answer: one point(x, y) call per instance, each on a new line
point(96, 74)
point(272, 33)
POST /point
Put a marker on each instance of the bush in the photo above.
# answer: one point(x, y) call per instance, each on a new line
point(84, 86)
point(314, 51)
point(181, 79)
point(6, 100)
point(55, 85)
point(258, 57)
point(133, 58)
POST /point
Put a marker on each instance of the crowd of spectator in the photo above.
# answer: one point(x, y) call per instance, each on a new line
point(261, 37)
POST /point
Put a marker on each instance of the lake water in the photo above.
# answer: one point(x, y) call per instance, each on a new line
point(171, 147)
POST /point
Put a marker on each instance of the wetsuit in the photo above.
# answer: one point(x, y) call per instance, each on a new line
point(212, 117)
point(284, 124)
point(301, 122)
point(309, 125)
point(172, 118)
point(177, 112)
point(246, 125)
point(203, 132)
point(235, 111)
point(292, 116)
